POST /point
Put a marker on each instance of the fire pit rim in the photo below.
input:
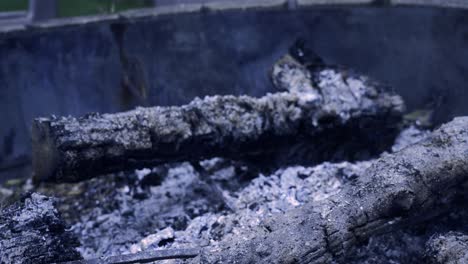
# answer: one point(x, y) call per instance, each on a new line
point(217, 6)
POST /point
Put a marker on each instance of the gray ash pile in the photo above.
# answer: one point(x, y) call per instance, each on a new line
point(183, 212)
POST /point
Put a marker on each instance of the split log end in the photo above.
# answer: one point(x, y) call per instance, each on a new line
point(45, 155)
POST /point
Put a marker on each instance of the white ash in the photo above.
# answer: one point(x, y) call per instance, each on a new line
point(153, 239)
point(140, 211)
point(409, 136)
point(181, 211)
point(283, 190)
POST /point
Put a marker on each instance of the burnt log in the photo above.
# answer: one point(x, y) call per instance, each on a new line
point(413, 185)
point(31, 231)
point(142, 257)
point(330, 112)
point(449, 248)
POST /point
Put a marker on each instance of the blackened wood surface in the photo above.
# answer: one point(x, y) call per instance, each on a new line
point(32, 232)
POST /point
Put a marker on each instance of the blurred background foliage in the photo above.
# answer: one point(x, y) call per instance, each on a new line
point(67, 8)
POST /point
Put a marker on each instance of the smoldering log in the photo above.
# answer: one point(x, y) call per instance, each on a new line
point(31, 231)
point(449, 248)
point(413, 185)
point(335, 111)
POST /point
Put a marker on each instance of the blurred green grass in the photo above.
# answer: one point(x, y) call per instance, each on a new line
point(67, 8)
point(13, 5)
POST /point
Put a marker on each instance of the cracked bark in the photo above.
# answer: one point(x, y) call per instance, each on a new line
point(450, 248)
point(31, 231)
point(409, 186)
point(330, 112)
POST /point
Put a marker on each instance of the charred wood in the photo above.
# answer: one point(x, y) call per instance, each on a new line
point(336, 116)
point(31, 231)
point(407, 187)
point(142, 257)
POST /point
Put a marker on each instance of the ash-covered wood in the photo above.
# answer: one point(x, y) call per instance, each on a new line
point(338, 115)
point(409, 186)
point(449, 248)
point(31, 231)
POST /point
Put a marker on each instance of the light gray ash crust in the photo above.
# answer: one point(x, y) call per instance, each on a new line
point(448, 248)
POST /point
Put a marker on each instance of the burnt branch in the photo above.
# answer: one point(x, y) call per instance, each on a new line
point(142, 257)
point(31, 231)
point(450, 248)
point(409, 186)
point(340, 114)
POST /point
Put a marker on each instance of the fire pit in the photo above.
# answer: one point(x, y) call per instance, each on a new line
point(295, 155)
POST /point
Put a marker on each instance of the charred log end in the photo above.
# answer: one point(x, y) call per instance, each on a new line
point(45, 158)
point(32, 231)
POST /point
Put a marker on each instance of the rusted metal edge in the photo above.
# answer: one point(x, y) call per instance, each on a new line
point(462, 4)
point(143, 14)
point(142, 257)
point(13, 14)
point(221, 6)
point(458, 4)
